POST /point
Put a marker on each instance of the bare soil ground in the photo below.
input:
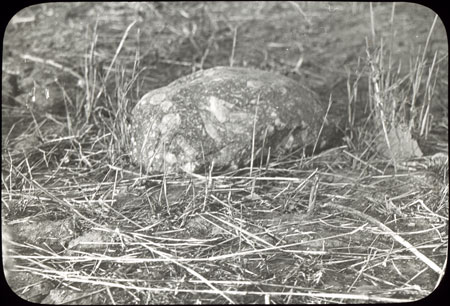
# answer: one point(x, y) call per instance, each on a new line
point(364, 221)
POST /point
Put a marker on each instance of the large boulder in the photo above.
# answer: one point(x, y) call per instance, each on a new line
point(208, 116)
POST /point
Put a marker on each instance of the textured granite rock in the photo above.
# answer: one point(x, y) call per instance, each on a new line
point(209, 116)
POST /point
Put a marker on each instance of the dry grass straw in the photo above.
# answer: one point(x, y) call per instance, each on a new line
point(229, 247)
point(337, 226)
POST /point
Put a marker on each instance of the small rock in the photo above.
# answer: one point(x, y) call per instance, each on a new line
point(9, 88)
point(26, 143)
point(68, 296)
point(401, 144)
point(208, 116)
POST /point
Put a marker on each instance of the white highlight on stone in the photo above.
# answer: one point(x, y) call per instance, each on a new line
point(189, 167)
point(188, 150)
point(219, 108)
point(157, 98)
point(212, 131)
point(166, 106)
point(279, 124)
point(170, 158)
point(255, 84)
point(169, 122)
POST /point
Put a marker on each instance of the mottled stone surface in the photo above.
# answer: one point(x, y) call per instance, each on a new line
point(209, 116)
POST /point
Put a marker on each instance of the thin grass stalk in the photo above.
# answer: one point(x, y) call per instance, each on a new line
point(424, 112)
point(233, 47)
point(255, 118)
point(324, 121)
point(372, 22)
point(90, 78)
point(417, 78)
point(119, 48)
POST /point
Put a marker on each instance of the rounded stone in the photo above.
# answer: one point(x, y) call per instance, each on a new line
point(209, 116)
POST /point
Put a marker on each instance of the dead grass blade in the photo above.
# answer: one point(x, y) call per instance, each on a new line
point(386, 229)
